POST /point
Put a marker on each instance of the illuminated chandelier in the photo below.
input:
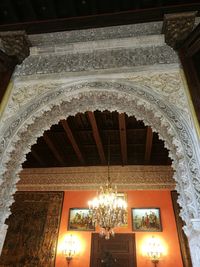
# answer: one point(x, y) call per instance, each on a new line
point(107, 210)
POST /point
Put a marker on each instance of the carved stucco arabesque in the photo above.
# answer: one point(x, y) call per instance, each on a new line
point(87, 178)
point(154, 96)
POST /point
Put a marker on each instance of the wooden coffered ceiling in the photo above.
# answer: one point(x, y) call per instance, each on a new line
point(82, 140)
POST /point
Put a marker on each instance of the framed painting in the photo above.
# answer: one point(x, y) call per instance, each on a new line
point(80, 220)
point(123, 196)
point(146, 219)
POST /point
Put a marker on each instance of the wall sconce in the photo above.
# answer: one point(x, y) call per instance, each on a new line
point(70, 247)
point(154, 250)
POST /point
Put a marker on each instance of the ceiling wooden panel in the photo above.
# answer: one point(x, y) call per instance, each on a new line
point(37, 16)
point(56, 148)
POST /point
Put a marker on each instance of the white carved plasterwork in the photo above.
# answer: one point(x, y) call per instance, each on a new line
point(117, 32)
point(76, 178)
point(25, 93)
point(122, 31)
point(167, 83)
point(96, 60)
point(83, 81)
point(31, 119)
point(98, 55)
point(30, 122)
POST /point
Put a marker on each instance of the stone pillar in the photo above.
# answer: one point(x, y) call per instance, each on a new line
point(3, 231)
point(193, 235)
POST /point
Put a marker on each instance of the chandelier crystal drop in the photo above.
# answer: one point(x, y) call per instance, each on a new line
point(107, 210)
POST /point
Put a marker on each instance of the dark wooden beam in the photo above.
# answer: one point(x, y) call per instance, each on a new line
point(53, 149)
point(101, 20)
point(9, 12)
point(72, 141)
point(26, 9)
point(194, 48)
point(38, 158)
point(93, 7)
point(193, 80)
point(149, 139)
point(188, 54)
point(122, 133)
point(192, 44)
point(97, 137)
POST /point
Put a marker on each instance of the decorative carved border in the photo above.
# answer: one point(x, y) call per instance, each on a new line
point(127, 177)
point(165, 80)
point(97, 59)
point(113, 32)
point(95, 34)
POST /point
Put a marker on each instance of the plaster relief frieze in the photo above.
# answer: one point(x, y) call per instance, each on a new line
point(97, 59)
point(25, 93)
point(113, 32)
point(85, 186)
point(103, 45)
point(130, 177)
point(167, 83)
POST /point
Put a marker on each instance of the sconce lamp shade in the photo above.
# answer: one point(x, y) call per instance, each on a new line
point(70, 248)
point(154, 250)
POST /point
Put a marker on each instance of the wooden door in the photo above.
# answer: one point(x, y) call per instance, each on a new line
point(118, 251)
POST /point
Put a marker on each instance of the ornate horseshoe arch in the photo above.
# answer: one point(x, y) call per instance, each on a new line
point(48, 108)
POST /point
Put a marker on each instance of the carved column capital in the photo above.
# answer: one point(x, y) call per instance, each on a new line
point(177, 26)
point(15, 43)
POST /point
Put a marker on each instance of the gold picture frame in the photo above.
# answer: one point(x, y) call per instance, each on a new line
point(80, 220)
point(146, 219)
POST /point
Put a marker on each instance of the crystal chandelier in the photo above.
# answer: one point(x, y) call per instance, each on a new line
point(107, 210)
